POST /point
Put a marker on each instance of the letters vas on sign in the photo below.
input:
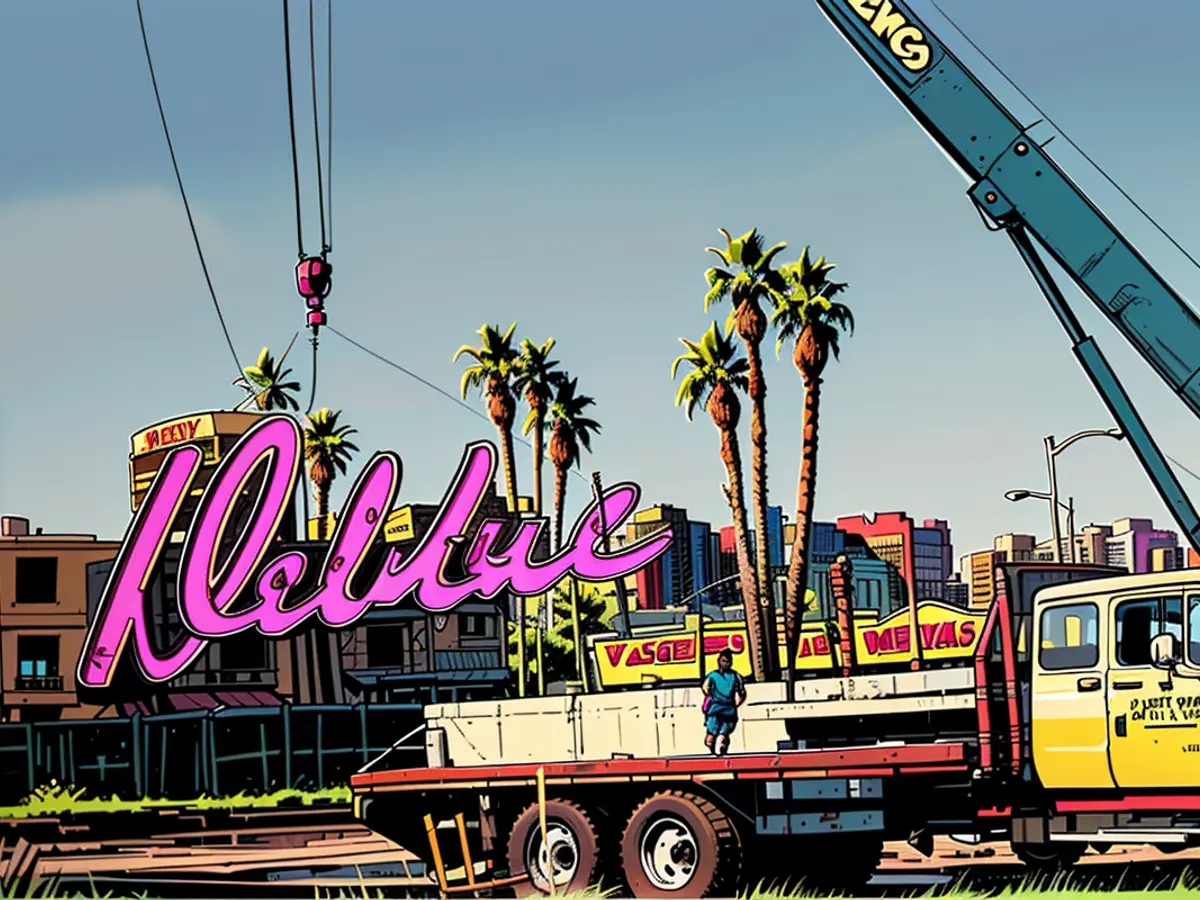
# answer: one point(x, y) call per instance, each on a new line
point(205, 594)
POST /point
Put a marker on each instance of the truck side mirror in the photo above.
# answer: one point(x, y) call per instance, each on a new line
point(1165, 651)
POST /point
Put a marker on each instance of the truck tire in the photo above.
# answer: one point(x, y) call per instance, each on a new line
point(1049, 857)
point(677, 844)
point(573, 844)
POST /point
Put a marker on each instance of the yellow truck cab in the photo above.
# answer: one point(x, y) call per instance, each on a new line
point(1116, 683)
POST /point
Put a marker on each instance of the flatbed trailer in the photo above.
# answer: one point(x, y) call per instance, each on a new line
point(664, 826)
point(853, 762)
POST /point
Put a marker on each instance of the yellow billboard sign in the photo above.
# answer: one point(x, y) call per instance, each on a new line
point(169, 434)
point(947, 632)
point(398, 526)
point(330, 525)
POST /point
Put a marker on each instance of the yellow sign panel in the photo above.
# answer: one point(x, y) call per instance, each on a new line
point(947, 632)
point(398, 526)
point(170, 434)
point(330, 525)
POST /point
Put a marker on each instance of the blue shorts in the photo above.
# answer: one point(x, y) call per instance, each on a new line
point(720, 724)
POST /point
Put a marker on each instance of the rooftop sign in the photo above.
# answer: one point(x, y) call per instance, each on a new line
point(205, 593)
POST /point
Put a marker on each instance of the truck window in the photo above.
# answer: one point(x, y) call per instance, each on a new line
point(1138, 622)
point(1069, 637)
point(1193, 630)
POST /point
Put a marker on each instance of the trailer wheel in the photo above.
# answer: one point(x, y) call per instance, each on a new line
point(1049, 857)
point(570, 841)
point(679, 845)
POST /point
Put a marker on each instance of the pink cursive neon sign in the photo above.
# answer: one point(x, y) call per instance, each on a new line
point(206, 593)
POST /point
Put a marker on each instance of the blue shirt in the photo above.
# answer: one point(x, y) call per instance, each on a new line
point(725, 687)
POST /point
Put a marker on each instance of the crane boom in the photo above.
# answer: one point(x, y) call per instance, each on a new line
point(1019, 187)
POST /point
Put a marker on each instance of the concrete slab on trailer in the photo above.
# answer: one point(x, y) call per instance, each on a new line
point(667, 722)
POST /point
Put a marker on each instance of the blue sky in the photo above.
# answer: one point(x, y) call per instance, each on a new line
point(564, 165)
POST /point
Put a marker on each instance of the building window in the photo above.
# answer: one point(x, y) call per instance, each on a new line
point(37, 579)
point(1069, 637)
point(37, 663)
point(477, 625)
point(244, 652)
point(393, 646)
point(1140, 621)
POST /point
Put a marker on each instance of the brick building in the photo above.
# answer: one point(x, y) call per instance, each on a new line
point(43, 619)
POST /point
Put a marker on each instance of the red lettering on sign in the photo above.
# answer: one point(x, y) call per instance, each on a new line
point(968, 634)
point(615, 652)
point(715, 644)
point(685, 650)
point(641, 656)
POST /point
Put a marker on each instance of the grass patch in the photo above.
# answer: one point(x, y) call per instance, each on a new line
point(1066, 886)
point(56, 800)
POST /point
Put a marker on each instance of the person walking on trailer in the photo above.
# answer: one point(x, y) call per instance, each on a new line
point(724, 691)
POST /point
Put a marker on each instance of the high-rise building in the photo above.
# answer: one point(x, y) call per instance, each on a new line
point(890, 536)
point(774, 537)
point(979, 571)
point(676, 579)
point(699, 542)
point(1014, 547)
point(932, 559)
point(1166, 559)
point(1132, 540)
point(957, 592)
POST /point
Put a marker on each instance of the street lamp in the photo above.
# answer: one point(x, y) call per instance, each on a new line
point(1052, 450)
point(1069, 506)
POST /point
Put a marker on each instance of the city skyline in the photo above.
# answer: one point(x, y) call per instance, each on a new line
point(471, 165)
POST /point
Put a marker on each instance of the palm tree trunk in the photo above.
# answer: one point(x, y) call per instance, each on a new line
point(538, 454)
point(758, 498)
point(806, 489)
point(732, 457)
point(510, 484)
point(322, 510)
point(510, 469)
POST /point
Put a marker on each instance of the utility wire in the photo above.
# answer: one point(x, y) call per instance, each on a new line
point(187, 208)
point(312, 68)
point(1149, 218)
point(429, 384)
point(287, 55)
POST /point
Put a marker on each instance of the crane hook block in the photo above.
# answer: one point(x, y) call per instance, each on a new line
point(314, 279)
point(316, 318)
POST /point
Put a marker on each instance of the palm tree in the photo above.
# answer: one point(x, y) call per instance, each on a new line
point(271, 390)
point(806, 312)
point(493, 372)
point(715, 379)
point(754, 281)
point(536, 378)
point(569, 430)
point(327, 451)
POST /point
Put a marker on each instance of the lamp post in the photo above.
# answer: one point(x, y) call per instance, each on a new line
point(1052, 450)
point(1069, 506)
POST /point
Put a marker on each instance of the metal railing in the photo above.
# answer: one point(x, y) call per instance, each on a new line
point(39, 683)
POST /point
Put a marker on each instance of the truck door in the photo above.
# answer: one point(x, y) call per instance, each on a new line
point(1153, 722)
point(1070, 721)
